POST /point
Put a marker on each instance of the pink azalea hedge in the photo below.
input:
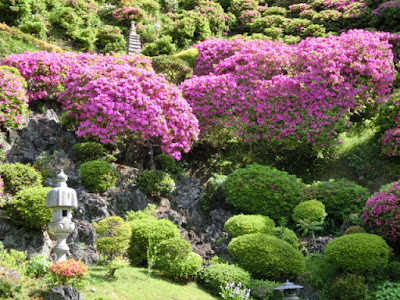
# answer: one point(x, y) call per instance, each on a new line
point(382, 212)
point(290, 93)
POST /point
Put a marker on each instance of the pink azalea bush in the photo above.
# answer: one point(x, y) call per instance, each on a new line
point(111, 97)
point(13, 98)
point(45, 72)
point(382, 212)
point(290, 93)
point(113, 101)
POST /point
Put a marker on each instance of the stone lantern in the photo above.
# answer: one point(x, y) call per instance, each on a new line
point(289, 289)
point(61, 200)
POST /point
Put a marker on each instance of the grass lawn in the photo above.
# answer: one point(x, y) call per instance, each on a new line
point(132, 283)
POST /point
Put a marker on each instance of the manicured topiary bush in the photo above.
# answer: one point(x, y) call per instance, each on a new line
point(167, 163)
point(98, 175)
point(264, 289)
point(215, 276)
point(266, 256)
point(113, 235)
point(147, 228)
point(360, 253)
point(176, 260)
point(155, 183)
point(381, 212)
point(355, 229)
point(89, 151)
point(287, 235)
point(340, 197)
point(347, 287)
point(259, 189)
point(28, 208)
point(313, 210)
point(110, 39)
point(19, 176)
point(189, 56)
point(244, 224)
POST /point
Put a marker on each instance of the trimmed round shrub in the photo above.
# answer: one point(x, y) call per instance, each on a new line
point(173, 248)
point(347, 287)
point(340, 197)
point(215, 276)
point(144, 229)
point(312, 210)
point(185, 268)
point(38, 266)
point(266, 256)
point(98, 175)
point(259, 189)
point(355, 229)
point(394, 270)
point(360, 253)
point(19, 176)
point(28, 208)
point(155, 183)
point(244, 224)
point(167, 163)
point(89, 151)
point(189, 55)
point(264, 289)
point(110, 39)
point(113, 235)
point(287, 235)
point(381, 212)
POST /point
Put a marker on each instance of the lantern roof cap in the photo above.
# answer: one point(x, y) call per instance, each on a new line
point(62, 195)
point(288, 286)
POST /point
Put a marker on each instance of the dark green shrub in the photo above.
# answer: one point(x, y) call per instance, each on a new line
point(174, 69)
point(388, 291)
point(287, 235)
point(355, 229)
point(98, 175)
point(313, 210)
point(215, 276)
point(142, 230)
point(28, 208)
point(19, 176)
point(89, 151)
point(340, 197)
point(264, 290)
point(155, 183)
point(110, 39)
point(318, 272)
point(162, 46)
point(266, 256)
point(113, 235)
point(347, 287)
point(244, 224)
point(360, 253)
point(38, 266)
point(259, 189)
point(189, 56)
point(167, 163)
point(394, 271)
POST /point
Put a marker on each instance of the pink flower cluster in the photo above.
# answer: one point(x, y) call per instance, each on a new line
point(382, 212)
point(13, 99)
point(45, 72)
point(390, 139)
point(385, 6)
point(114, 101)
point(111, 97)
point(290, 93)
